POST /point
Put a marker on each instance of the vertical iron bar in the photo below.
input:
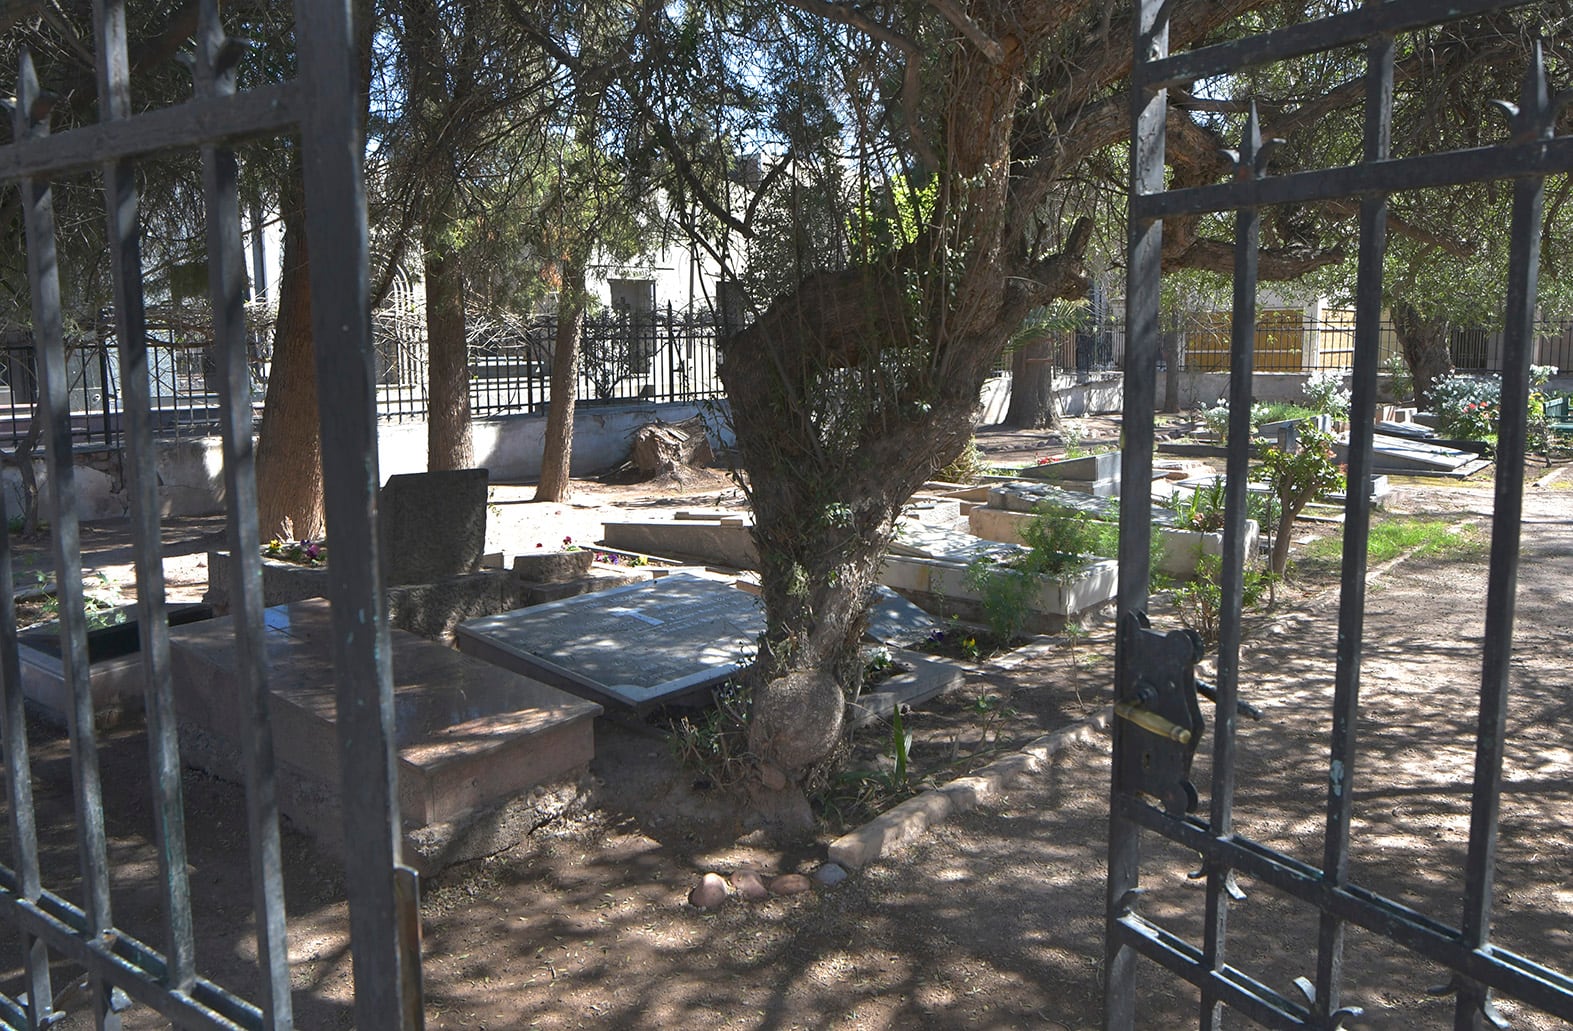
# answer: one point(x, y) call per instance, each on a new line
point(1357, 526)
point(216, 55)
point(1149, 113)
point(125, 256)
point(32, 122)
point(1534, 119)
point(19, 779)
point(341, 322)
point(1242, 351)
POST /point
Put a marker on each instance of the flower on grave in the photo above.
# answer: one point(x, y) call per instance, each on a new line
point(312, 551)
point(538, 544)
point(936, 635)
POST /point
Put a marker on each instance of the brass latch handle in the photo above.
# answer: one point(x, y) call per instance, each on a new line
point(1152, 722)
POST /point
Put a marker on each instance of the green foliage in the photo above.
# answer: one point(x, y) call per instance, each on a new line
point(1060, 540)
point(968, 467)
point(1200, 600)
point(714, 743)
point(1297, 477)
point(1202, 509)
point(1325, 393)
point(1395, 535)
point(1282, 411)
point(1399, 380)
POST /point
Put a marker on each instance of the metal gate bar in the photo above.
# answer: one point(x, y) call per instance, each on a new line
point(1142, 681)
point(321, 105)
point(125, 257)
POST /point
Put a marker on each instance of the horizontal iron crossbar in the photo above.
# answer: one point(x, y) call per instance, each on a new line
point(1489, 965)
point(1306, 38)
point(134, 966)
point(1451, 168)
point(263, 111)
point(1229, 984)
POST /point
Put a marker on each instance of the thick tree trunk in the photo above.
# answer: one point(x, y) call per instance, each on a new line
point(448, 440)
point(834, 444)
point(289, 448)
point(557, 449)
point(289, 454)
point(1032, 367)
point(1424, 341)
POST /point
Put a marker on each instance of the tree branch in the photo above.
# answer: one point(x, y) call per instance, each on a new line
point(911, 78)
point(972, 30)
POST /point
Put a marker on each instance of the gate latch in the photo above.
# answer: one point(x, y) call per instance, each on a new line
point(1157, 698)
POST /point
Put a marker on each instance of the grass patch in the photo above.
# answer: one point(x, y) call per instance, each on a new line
point(1393, 536)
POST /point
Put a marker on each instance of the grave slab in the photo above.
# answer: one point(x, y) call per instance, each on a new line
point(114, 657)
point(474, 742)
point(1403, 455)
point(925, 678)
point(632, 647)
point(723, 541)
point(655, 642)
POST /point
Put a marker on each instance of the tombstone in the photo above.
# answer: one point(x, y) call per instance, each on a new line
point(433, 525)
point(1098, 474)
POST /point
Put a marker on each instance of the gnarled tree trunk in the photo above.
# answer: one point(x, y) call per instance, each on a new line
point(1424, 341)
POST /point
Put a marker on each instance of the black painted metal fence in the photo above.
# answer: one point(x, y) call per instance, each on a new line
point(655, 357)
point(1160, 724)
point(321, 107)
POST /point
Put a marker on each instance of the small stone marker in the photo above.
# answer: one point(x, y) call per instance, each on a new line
point(433, 525)
point(746, 882)
point(711, 891)
point(790, 884)
point(830, 875)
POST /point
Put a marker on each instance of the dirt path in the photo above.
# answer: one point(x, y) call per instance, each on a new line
point(994, 920)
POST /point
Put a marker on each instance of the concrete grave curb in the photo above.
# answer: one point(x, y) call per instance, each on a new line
point(912, 818)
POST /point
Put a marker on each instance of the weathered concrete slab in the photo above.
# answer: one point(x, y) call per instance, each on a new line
point(722, 540)
point(894, 620)
point(1022, 496)
point(634, 647)
point(1400, 455)
point(653, 642)
point(471, 738)
point(921, 540)
point(433, 525)
point(924, 678)
point(115, 669)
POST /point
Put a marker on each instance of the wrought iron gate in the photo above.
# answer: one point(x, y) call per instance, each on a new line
point(319, 105)
point(1156, 691)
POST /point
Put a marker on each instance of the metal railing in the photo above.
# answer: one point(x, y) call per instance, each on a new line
point(1290, 340)
point(661, 356)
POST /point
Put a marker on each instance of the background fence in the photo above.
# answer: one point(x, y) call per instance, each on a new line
point(659, 356)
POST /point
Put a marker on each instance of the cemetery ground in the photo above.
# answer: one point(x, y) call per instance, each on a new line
point(994, 918)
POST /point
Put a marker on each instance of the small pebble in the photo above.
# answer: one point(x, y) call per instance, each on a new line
point(710, 892)
point(746, 883)
point(830, 875)
point(790, 884)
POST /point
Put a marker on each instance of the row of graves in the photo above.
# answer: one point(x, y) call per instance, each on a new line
point(501, 664)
